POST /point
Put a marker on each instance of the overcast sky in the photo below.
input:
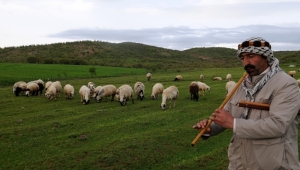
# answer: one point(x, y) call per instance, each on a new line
point(172, 24)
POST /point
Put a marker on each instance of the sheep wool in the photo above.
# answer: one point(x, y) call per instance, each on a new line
point(170, 93)
point(157, 89)
point(84, 92)
point(139, 89)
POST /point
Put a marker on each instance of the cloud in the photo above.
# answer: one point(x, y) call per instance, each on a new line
point(180, 38)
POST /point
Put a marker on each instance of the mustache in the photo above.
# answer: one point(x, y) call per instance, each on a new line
point(249, 66)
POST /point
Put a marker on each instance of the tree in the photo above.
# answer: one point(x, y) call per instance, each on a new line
point(92, 70)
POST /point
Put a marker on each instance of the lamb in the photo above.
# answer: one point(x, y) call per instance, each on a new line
point(18, 87)
point(51, 92)
point(32, 88)
point(217, 78)
point(292, 73)
point(148, 76)
point(48, 84)
point(178, 78)
point(69, 91)
point(124, 93)
point(91, 85)
point(194, 89)
point(170, 93)
point(229, 86)
point(139, 89)
point(201, 77)
point(228, 77)
point(203, 88)
point(157, 89)
point(96, 91)
point(106, 91)
point(84, 92)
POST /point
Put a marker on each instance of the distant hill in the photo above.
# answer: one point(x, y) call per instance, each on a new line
point(129, 54)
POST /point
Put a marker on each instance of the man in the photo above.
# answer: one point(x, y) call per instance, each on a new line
point(261, 139)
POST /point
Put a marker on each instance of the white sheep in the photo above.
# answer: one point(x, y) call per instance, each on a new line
point(69, 91)
point(91, 85)
point(96, 91)
point(51, 92)
point(106, 91)
point(47, 85)
point(32, 88)
point(157, 89)
point(201, 77)
point(228, 77)
point(170, 93)
point(148, 76)
point(41, 85)
point(292, 73)
point(229, 87)
point(217, 78)
point(58, 87)
point(84, 92)
point(178, 78)
point(203, 88)
point(18, 87)
point(124, 93)
point(139, 89)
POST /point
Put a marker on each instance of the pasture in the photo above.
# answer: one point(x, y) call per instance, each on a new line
point(37, 133)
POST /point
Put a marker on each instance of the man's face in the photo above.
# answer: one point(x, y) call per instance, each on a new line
point(254, 64)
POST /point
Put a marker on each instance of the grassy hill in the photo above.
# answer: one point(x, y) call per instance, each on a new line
point(130, 55)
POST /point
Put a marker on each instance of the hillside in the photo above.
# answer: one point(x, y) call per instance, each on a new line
point(128, 54)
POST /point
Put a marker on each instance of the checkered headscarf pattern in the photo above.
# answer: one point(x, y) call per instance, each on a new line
point(257, 45)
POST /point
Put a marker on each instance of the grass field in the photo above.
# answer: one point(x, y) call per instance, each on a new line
point(36, 133)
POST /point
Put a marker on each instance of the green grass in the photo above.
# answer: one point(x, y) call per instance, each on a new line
point(36, 133)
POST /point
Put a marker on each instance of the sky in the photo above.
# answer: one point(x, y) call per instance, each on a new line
point(171, 24)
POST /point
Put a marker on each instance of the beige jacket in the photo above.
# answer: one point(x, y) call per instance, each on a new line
point(267, 139)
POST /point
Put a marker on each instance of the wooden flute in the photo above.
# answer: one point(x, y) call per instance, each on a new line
point(256, 105)
point(220, 107)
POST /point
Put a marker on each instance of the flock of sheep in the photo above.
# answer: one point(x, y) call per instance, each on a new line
point(123, 93)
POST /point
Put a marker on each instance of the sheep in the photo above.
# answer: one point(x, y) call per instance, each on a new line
point(292, 73)
point(228, 77)
point(139, 89)
point(194, 89)
point(106, 91)
point(69, 91)
point(96, 91)
point(201, 77)
point(217, 78)
point(298, 82)
point(148, 76)
point(157, 89)
point(58, 87)
point(32, 88)
point(18, 87)
point(178, 78)
point(47, 85)
point(229, 87)
point(170, 93)
point(51, 92)
point(84, 92)
point(124, 93)
point(41, 85)
point(203, 88)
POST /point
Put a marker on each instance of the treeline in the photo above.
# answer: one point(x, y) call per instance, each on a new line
point(127, 54)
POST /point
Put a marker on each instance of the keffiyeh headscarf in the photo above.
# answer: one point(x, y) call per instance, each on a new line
point(258, 45)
